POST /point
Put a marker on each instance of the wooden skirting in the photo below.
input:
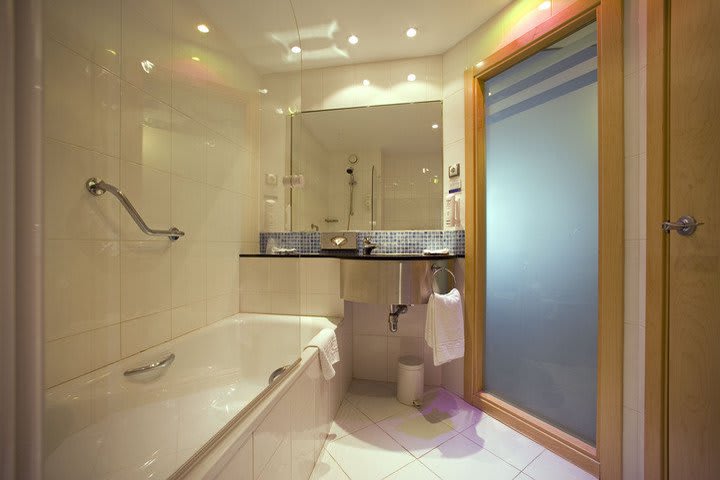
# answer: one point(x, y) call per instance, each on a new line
point(576, 451)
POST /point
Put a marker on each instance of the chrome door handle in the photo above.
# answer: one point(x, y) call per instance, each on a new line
point(685, 226)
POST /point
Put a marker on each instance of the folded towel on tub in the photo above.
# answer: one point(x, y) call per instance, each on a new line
point(326, 343)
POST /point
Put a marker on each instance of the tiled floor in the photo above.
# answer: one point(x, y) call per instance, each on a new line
point(376, 437)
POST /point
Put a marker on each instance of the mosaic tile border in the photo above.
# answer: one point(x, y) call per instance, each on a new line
point(389, 241)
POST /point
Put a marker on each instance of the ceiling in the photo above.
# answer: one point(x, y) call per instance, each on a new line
point(391, 129)
point(265, 30)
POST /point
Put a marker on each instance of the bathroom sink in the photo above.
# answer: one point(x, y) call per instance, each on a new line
point(404, 279)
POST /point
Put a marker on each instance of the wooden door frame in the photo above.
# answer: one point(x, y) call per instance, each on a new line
point(606, 458)
point(658, 209)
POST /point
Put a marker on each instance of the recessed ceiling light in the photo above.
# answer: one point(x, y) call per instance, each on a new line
point(353, 39)
point(480, 64)
point(279, 111)
point(296, 49)
point(366, 82)
point(203, 28)
point(263, 91)
point(197, 59)
point(411, 77)
point(411, 32)
point(435, 126)
point(544, 5)
point(111, 51)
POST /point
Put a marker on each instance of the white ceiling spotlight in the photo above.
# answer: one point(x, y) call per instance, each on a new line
point(435, 126)
point(353, 39)
point(203, 28)
point(411, 77)
point(545, 5)
point(296, 49)
point(366, 82)
point(411, 32)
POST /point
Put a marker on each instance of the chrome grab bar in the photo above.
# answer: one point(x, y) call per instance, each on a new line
point(164, 363)
point(277, 372)
point(97, 187)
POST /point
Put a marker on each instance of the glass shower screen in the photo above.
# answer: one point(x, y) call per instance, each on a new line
point(541, 312)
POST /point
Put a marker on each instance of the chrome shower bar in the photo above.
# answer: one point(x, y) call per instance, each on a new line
point(97, 187)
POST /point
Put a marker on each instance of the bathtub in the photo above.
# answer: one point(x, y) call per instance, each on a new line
point(167, 422)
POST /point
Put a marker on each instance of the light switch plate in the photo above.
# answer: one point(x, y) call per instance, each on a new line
point(454, 170)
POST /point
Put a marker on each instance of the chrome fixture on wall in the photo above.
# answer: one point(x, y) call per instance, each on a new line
point(97, 187)
point(352, 182)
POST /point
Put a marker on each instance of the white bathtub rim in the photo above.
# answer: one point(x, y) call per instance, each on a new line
point(212, 463)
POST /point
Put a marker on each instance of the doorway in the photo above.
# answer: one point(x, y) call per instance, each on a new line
point(561, 327)
point(682, 423)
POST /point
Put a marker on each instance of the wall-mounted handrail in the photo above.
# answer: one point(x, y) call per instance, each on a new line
point(97, 187)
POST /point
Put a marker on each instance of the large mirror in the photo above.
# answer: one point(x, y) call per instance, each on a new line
point(368, 168)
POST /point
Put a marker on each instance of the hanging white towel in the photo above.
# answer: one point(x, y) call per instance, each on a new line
point(444, 327)
point(326, 343)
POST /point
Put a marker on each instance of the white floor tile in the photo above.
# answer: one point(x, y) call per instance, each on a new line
point(549, 466)
point(451, 409)
point(416, 432)
point(503, 441)
point(327, 468)
point(347, 420)
point(369, 454)
point(375, 399)
point(460, 459)
point(414, 471)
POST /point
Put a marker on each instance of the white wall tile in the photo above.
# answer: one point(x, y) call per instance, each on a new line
point(631, 377)
point(70, 212)
point(338, 88)
point(145, 129)
point(81, 286)
point(91, 28)
point(222, 306)
point(82, 101)
point(148, 38)
point(454, 118)
point(631, 448)
point(454, 64)
point(145, 332)
point(223, 271)
point(144, 280)
point(188, 139)
point(73, 356)
point(188, 272)
point(370, 357)
point(188, 318)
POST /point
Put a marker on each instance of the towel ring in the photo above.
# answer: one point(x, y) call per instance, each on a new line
point(437, 269)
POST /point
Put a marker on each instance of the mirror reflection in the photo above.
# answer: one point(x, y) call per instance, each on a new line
point(370, 168)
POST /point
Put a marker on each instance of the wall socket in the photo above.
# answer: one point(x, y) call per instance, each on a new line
point(454, 170)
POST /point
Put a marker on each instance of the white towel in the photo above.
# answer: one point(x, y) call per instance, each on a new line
point(326, 343)
point(444, 327)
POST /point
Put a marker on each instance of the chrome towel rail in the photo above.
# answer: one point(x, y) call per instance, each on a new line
point(437, 269)
point(97, 187)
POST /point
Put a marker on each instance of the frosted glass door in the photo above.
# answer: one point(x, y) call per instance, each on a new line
point(541, 312)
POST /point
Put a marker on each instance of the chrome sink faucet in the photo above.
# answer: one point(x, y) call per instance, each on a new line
point(368, 246)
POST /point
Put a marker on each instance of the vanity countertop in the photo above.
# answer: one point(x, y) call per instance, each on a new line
point(354, 256)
